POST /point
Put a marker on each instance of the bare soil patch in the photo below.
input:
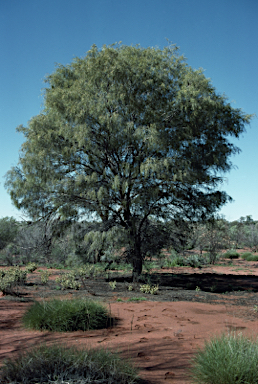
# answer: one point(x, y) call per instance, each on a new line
point(159, 334)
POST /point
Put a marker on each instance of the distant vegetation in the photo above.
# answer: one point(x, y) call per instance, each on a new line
point(74, 245)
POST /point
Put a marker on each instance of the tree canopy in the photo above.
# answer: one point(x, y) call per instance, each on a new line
point(127, 134)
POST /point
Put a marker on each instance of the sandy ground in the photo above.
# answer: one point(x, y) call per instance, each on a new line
point(159, 336)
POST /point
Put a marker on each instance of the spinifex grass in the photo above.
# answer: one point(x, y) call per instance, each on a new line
point(60, 364)
point(67, 315)
point(229, 359)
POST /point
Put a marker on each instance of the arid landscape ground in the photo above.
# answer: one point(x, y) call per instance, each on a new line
point(160, 333)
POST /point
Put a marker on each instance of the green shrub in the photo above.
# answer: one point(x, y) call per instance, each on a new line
point(77, 277)
point(112, 284)
point(11, 278)
point(174, 260)
point(232, 254)
point(58, 364)
point(68, 281)
point(229, 359)
point(44, 276)
point(248, 256)
point(195, 261)
point(151, 289)
point(67, 315)
point(245, 255)
point(31, 267)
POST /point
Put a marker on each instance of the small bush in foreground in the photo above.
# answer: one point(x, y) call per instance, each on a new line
point(229, 359)
point(59, 364)
point(67, 315)
point(231, 255)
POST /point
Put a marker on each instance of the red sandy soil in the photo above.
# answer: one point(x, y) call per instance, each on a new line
point(159, 336)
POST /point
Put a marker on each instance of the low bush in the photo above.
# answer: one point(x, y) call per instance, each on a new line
point(77, 277)
point(68, 281)
point(11, 279)
point(245, 255)
point(151, 289)
point(248, 256)
point(67, 315)
point(174, 260)
point(232, 254)
point(31, 267)
point(59, 364)
point(44, 276)
point(229, 359)
point(195, 261)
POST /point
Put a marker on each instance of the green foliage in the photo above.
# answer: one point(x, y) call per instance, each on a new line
point(8, 231)
point(66, 315)
point(77, 277)
point(11, 279)
point(246, 255)
point(31, 267)
point(195, 261)
point(251, 257)
point(60, 364)
point(151, 289)
point(44, 276)
point(232, 254)
point(68, 281)
point(174, 260)
point(127, 134)
point(112, 284)
point(229, 359)
point(137, 299)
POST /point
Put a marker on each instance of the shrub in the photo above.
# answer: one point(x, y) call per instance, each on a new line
point(11, 278)
point(44, 276)
point(112, 284)
point(232, 254)
point(248, 256)
point(195, 261)
point(147, 288)
point(229, 359)
point(67, 315)
point(77, 277)
point(68, 281)
point(60, 364)
point(174, 260)
point(31, 267)
point(245, 255)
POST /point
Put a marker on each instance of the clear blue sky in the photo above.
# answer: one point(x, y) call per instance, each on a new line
point(220, 36)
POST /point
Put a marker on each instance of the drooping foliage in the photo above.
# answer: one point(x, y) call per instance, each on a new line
point(127, 134)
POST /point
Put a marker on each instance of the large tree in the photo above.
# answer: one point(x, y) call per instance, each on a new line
point(127, 134)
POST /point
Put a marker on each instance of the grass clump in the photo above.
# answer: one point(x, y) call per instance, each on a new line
point(59, 364)
point(248, 256)
point(67, 315)
point(229, 359)
point(232, 254)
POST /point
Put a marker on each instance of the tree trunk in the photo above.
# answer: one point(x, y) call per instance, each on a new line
point(137, 268)
point(137, 259)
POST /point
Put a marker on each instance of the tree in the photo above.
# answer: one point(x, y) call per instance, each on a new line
point(8, 231)
point(127, 134)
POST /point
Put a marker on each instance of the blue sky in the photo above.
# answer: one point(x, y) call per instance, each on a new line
point(220, 36)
